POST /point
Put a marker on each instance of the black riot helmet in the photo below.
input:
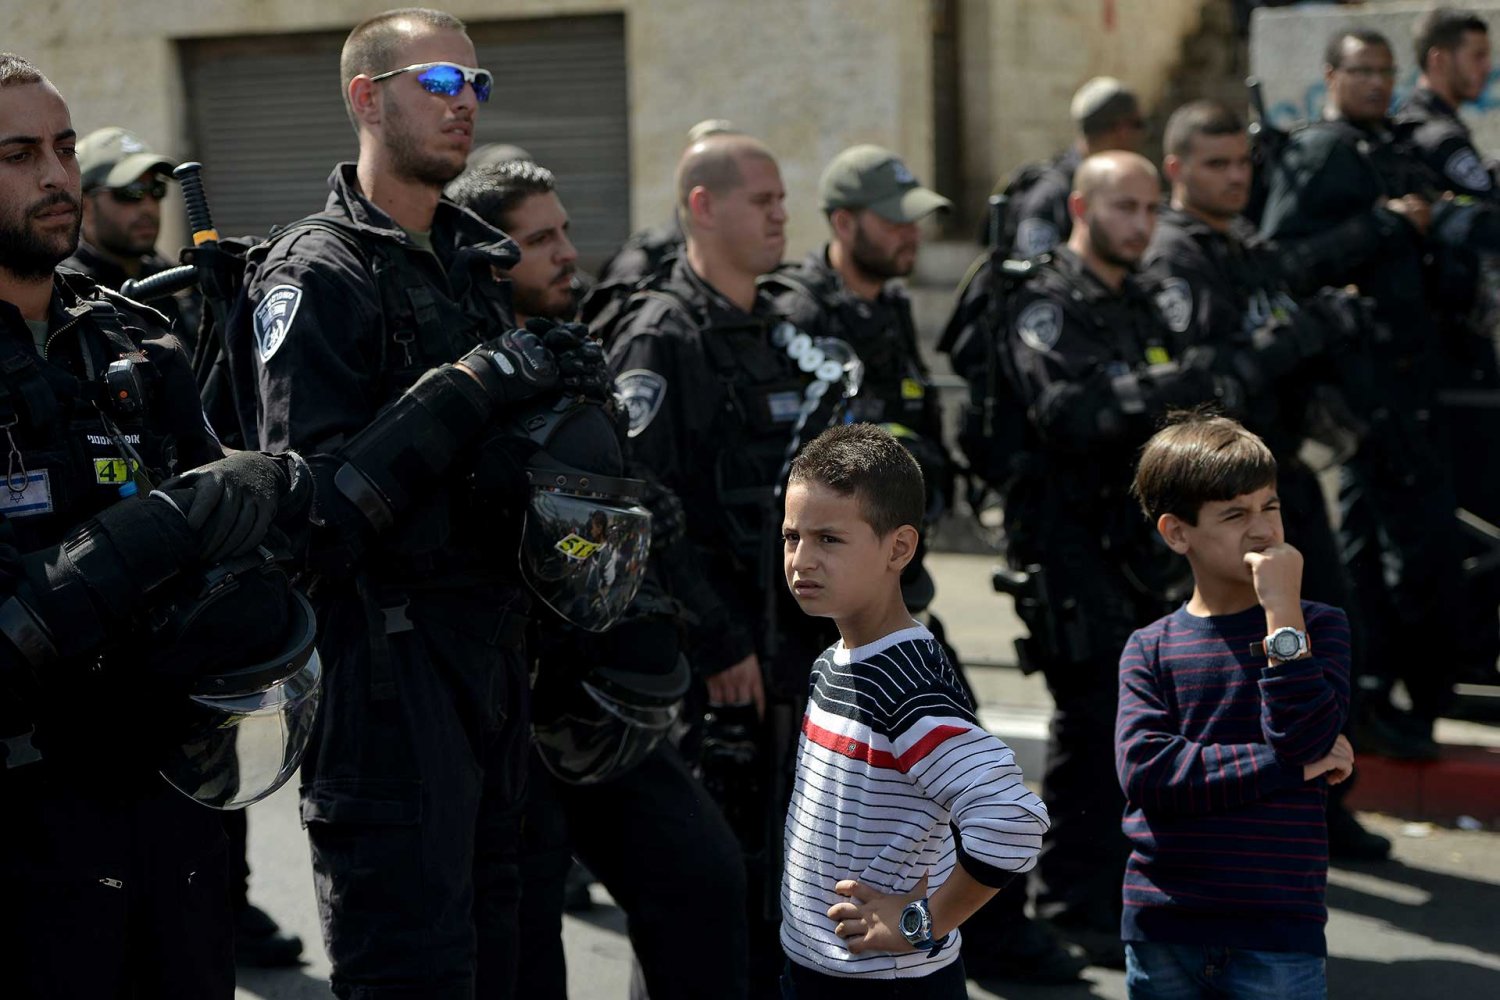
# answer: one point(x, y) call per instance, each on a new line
point(240, 640)
point(603, 702)
point(584, 536)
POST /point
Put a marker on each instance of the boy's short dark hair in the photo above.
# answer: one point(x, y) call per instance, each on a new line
point(1199, 458)
point(864, 461)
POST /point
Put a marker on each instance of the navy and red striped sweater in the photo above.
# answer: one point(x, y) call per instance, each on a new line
point(1230, 844)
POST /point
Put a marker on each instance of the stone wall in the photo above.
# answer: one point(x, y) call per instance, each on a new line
point(1023, 59)
point(808, 76)
point(1286, 52)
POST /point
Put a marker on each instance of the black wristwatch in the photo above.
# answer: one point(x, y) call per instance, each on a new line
point(1282, 645)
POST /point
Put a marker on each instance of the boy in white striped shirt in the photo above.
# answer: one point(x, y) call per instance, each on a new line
point(906, 816)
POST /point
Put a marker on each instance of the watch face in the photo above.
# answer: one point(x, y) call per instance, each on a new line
point(1285, 644)
point(911, 920)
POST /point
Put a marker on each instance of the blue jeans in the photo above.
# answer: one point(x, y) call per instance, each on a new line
point(1155, 971)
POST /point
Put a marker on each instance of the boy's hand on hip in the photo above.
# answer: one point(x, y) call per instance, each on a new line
point(1277, 574)
point(873, 921)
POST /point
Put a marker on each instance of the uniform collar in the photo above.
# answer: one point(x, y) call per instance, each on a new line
point(1088, 282)
point(452, 226)
point(715, 300)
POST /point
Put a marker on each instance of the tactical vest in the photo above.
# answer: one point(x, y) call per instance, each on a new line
point(896, 384)
point(74, 447)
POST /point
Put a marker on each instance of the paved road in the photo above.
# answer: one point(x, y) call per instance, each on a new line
point(1423, 925)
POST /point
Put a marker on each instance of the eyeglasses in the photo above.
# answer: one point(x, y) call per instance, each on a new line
point(447, 79)
point(139, 191)
point(1370, 72)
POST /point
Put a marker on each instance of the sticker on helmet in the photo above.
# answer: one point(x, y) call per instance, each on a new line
point(1040, 325)
point(1464, 167)
point(1036, 236)
point(1175, 301)
point(641, 392)
point(577, 547)
point(273, 318)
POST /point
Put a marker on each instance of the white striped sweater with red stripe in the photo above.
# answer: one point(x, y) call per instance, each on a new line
point(895, 778)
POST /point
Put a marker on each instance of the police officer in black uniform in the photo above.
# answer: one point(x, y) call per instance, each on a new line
point(1089, 366)
point(124, 183)
point(643, 251)
point(1216, 285)
point(374, 335)
point(643, 824)
point(123, 187)
point(1350, 205)
point(1452, 48)
point(848, 289)
point(1107, 116)
point(114, 883)
point(714, 402)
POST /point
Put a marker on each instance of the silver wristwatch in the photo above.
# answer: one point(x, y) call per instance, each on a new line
point(916, 925)
point(1286, 643)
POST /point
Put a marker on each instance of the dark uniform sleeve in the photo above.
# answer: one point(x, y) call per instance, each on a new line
point(1078, 397)
point(1181, 282)
point(1316, 215)
point(317, 334)
point(1042, 220)
point(661, 376)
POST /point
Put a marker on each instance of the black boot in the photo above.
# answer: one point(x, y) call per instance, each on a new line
point(1349, 841)
point(259, 943)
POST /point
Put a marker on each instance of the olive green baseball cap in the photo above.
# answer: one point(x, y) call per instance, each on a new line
point(875, 178)
point(112, 157)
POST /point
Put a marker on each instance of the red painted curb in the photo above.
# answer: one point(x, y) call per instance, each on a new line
point(1465, 781)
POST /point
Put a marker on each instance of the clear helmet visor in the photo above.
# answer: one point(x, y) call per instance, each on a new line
point(246, 732)
point(606, 732)
point(583, 556)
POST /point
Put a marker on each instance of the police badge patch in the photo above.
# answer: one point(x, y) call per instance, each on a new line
point(641, 392)
point(1035, 236)
point(1040, 325)
point(1174, 299)
point(273, 318)
point(1464, 167)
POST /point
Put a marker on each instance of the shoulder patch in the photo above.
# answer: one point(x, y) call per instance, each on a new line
point(1464, 167)
point(273, 318)
point(641, 392)
point(1040, 325)
point(1175, 301)
point(1036, 236)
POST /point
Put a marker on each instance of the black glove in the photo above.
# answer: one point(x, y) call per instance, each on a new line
point(580, 360)
point(512, 367)
point(230, 503)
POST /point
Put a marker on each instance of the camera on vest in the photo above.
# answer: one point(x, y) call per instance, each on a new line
point(128, 385)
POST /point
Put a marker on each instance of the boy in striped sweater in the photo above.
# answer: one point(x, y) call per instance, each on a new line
point(1228, 736)
point(906, 816)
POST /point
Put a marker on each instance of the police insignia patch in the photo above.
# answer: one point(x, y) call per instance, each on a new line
point(1465, 168)
point(1035, 236)
point(273, 318)
point(1175, 301)
point(641, 392)
point(1040, 325)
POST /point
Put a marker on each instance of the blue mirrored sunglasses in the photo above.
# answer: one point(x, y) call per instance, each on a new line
point(447, 79)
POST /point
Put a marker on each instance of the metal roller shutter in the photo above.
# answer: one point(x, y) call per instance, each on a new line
point(266, 118)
